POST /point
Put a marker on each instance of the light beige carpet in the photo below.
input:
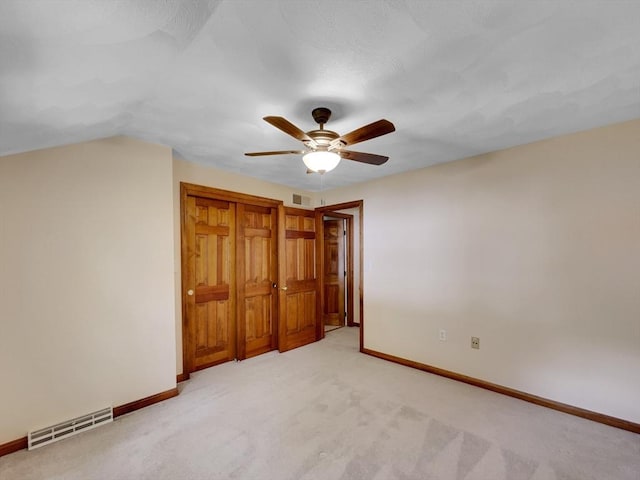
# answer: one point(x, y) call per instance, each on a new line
point(327, 412)
point(330, 328)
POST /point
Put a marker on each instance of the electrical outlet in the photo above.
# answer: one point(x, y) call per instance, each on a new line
point(442, 335)
point(475, 342)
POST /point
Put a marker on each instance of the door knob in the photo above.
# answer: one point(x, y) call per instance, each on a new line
point(189, 292)
point(284, 288)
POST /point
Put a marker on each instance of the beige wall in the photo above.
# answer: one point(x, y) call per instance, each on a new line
point(86, 284)
point(188, 172)
point(534, 249)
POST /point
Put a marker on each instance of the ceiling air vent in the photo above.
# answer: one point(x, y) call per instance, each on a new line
point(301, 200)
point(44, 436)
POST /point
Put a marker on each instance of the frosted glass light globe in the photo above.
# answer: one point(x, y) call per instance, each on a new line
point(321, 161)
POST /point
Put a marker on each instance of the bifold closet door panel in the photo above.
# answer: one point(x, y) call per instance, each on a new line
point(257, 274)
point(298, 277)
point(210, 282)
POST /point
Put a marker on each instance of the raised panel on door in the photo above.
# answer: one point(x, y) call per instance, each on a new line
point(209, 290)
point(298, 278)
point(257, 275)
point(334, 273)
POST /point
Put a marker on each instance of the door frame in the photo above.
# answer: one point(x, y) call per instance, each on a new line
point(335, 209)
point(190, 189)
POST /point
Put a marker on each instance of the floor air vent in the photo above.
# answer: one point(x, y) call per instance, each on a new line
point(51, 434)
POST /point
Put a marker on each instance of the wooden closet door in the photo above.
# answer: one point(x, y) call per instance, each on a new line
point(298, 278)
point(256, 278)
point(209, 291)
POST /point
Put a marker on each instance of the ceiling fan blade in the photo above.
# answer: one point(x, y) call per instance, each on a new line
point(290, 129)
point(373, 130)
point(281, 152)
point(370, 158)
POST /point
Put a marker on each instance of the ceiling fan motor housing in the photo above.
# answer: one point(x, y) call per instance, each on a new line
point(323, 138)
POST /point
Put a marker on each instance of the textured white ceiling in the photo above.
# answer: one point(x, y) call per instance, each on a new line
point(456, 78)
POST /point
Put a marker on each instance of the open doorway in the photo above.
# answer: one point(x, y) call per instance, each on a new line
point(340, 226)
point(337, 309)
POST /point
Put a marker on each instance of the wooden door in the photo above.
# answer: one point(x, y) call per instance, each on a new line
point(209, 286)
point(299, 306)
point(257, 275)
point(334, 273)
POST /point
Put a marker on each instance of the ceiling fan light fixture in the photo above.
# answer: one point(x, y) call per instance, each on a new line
point(321, 161)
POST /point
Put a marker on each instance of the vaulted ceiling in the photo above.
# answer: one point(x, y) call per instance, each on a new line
point(457, 78)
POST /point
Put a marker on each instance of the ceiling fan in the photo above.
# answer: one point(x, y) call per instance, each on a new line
point(325, 148)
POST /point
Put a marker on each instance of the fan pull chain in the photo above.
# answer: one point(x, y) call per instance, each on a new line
point(322, 202)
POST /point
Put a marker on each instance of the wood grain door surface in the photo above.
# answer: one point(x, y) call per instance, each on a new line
point(210, 276)
point(257, 276)
point(334, 273)
point(298, 278)
point(235, 255)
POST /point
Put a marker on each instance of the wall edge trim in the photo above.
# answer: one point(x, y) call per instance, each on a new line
point(21, 443)
point(145, 402)
point(13, 446)
point(511, 392)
